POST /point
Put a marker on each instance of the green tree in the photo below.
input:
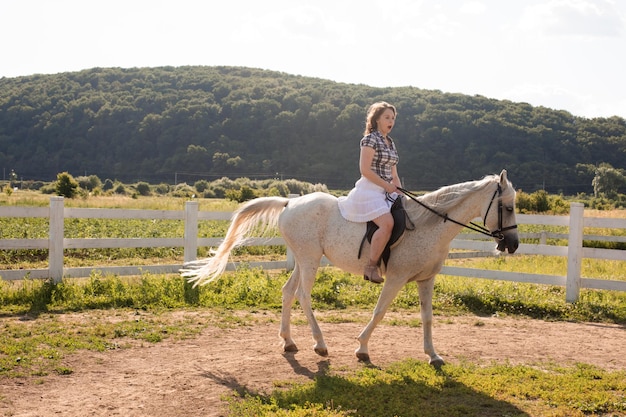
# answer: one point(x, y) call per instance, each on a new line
point(607, 181)
point(66, 185)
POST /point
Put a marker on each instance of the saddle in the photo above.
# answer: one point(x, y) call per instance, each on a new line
point(401, 222)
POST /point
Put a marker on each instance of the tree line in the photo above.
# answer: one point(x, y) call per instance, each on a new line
point(185, 124)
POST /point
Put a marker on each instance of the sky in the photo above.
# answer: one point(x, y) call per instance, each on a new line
point(561, 54)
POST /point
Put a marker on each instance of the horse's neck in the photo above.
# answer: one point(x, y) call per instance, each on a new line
point(468, 208)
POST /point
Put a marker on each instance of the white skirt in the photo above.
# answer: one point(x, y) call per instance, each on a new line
point(365, 202)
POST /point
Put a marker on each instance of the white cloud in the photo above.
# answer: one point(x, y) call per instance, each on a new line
point(574, 18)
point(473, 8)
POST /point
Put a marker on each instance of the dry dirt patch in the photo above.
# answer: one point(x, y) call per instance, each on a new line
point(189, 377)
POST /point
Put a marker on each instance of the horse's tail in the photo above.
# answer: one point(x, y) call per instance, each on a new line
point(258, 213)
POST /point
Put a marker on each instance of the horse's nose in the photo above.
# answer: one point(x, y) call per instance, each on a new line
point(512, 245)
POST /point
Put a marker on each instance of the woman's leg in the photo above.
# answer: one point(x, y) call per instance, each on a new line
point(379, 240)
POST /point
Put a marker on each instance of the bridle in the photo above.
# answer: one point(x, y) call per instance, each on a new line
point(496, 234)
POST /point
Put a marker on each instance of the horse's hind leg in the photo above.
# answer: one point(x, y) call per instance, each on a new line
point(289, 296)
point(426, 289)
point(307, 279)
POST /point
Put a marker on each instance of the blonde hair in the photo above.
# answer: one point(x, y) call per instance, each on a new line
point(373, 113)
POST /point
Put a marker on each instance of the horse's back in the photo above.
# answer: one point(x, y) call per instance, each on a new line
point(309, 209)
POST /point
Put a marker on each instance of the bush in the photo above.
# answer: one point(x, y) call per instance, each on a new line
point(209, 194)
point(120, 189)
point(201, 186)
point(540, 201)
point(244, 194)
point(108, 185)
point(183, 190)
point(162, 188)
point(48, 188)
point(89, 183)
point(36, 185)
point(143, 188)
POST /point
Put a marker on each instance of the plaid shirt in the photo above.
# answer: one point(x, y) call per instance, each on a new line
point(385, 156)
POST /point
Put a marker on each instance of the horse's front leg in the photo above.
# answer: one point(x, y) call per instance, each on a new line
point(389, 292)
point(289, 296)
point(426, 289)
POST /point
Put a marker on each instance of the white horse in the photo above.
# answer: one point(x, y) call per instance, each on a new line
point(312, 226)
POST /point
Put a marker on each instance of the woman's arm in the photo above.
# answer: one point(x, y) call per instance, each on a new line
point(396, 179)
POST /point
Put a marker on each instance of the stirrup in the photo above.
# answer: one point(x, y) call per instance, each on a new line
point(371, 274)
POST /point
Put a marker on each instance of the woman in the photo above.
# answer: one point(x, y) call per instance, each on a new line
point(374, 192)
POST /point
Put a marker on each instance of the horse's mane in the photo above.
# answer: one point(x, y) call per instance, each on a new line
point(443, 199)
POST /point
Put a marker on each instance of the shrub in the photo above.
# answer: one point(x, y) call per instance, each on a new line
point(217, 191)
point(209, 194)
point(48, 188)
point(540, 201)
point(162, 188)
point(201, 186)
point(245, 194)
point(89, 183)
point(183, 190)
point(143, 188)
point(522, 202)
point(120, 189)
point(108, 185)
point(36, 185)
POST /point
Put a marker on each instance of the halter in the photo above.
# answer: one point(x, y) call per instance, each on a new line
point(496, 234)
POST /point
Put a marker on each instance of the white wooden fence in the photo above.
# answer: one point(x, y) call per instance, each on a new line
point(56, 243)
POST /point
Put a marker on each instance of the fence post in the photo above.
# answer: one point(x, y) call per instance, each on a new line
point(574, 252)
point(191, 231)
point(55, 239)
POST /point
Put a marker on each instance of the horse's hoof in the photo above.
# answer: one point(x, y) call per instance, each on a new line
point(363, 357)
point(437, 363)
point(290, 348)
point(321, 351)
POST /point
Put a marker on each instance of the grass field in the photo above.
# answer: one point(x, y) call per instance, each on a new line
point(37, 346)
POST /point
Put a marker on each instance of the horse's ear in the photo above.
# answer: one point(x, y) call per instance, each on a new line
point(503, 180)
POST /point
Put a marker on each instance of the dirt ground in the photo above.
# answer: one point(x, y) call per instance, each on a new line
point(189, 377)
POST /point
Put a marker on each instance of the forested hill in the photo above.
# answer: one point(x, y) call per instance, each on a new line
point(191, 123)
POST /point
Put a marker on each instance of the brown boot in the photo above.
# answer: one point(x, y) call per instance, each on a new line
point(371, 274)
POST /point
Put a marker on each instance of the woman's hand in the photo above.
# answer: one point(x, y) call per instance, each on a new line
point(391, 188)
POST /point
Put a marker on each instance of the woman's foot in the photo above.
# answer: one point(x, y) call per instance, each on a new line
point(371, 274)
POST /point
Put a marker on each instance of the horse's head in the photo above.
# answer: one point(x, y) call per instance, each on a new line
point(499, 216)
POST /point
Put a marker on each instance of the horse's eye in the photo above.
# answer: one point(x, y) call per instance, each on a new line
point(509, 209)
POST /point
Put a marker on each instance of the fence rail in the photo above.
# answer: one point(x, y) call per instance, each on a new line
point(472, 244)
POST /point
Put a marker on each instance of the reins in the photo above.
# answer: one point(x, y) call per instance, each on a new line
point(497, 234)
